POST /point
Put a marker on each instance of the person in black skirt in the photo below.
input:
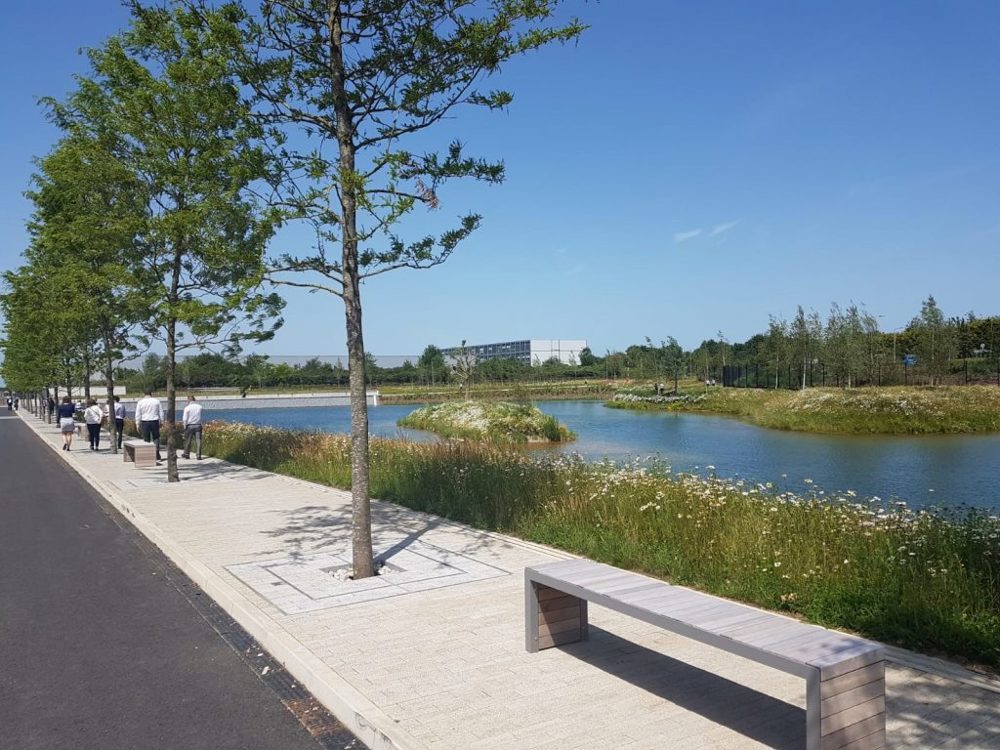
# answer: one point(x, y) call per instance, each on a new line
point(67, 425)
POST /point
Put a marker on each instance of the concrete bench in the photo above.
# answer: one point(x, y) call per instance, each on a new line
point(845, 675)
point(141, 453)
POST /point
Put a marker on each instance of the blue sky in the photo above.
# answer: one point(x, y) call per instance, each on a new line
point(686, 168)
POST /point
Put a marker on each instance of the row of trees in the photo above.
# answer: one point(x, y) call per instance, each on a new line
point(200, 130)
point(845, 348)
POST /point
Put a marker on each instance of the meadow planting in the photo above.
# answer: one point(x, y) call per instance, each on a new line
point(496, 421)
point(895, 410)
point(926, 580)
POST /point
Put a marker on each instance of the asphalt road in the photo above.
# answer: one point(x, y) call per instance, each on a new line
point(101, 645)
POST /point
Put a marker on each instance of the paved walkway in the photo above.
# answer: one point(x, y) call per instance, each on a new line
point(431, 655)
point(100, 646)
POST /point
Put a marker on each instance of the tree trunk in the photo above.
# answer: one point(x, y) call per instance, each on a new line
point(168, 422)
point(109, 375)
point(364, 564)
point(87, 373)
point(363, 558)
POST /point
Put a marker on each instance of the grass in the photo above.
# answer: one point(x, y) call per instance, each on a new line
point(495, 421)
point(564, 389)
point(891, 410)
point(425, 394)
point(923, 580)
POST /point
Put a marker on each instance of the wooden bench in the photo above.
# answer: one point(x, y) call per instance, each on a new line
point(845, 675)
point(141, 453)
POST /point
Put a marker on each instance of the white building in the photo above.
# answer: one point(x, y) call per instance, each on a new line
point(529, 351)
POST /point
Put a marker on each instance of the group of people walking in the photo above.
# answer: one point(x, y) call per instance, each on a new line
point(148, 418)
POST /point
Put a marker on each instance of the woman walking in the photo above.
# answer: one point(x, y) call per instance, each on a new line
point(67, 425)
point(93, 417)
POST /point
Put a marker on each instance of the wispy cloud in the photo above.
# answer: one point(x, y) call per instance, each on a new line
point(685, 236)
point(717, 230)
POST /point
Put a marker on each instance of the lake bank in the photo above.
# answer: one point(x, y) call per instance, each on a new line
point(549, 391)
point(921, 580)
point(943, 470)
point(897, 410)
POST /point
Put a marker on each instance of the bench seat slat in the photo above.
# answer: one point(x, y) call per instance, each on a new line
point(725, 618)
point(785, 634)
point(792, 645)
point(622, 587)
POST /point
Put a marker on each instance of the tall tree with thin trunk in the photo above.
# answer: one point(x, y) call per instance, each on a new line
point(88, 210)
point(349, 88)
point(165, 93)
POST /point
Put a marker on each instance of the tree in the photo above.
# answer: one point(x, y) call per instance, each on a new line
point(344, 85)
point(673, 359)
point(587, 357)
point(163, 92)
point(432, 363)
point(873, 352)
point(806, 333)
point(465, 369)
point(34, 342)
point(777, 345)
point(88, 210)
point(932, 340)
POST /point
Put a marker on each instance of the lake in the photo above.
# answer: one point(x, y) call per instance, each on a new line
point(942, 470)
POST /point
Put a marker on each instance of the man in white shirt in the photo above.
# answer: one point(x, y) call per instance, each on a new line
point(119, 419)
point(192, 427)
point(149, 415)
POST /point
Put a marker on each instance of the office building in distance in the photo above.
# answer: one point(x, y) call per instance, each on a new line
point(528, 351)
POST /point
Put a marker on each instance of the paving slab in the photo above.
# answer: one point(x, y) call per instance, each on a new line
point(431, 656)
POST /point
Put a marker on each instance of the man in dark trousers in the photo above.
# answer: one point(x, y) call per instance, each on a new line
point(149, 415)
point(119, 419)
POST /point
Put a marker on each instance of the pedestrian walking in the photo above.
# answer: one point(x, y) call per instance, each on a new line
point(52, 407)
point(149, 415)
point(10, 403)
point(119, 419)
point(93, 416)
point(67, 425)
point(192, 427)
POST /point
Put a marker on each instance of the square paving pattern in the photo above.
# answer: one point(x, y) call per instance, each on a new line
point(306, 583)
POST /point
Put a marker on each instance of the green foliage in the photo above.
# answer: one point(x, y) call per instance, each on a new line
point(166, 104)
point(359, 81)
point(933, 339)
point(493, 421)
point(921, 580)
point(896, 410)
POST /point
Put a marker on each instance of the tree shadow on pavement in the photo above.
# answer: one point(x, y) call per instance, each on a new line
point(313, 528)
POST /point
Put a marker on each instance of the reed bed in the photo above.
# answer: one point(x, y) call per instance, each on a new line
point(928, 580)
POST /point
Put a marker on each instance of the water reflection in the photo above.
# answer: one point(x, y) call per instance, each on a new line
point(958, 468)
